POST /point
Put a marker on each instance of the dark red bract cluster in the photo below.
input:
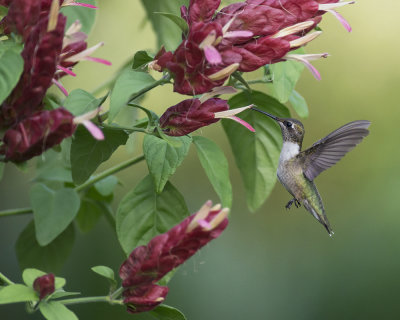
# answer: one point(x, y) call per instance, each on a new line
point(243, 36)
point(29, 130)
point(190, 115)
point(148, 264)
point(44, 285)
point(33, 135)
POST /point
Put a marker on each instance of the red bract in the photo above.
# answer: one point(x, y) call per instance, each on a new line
point(148, 264)
point(36, 134)
point(242, 36)
point(190, 115)
point(41, 54)
point(44, 285)
point(144, 298)
point(49, 53)
point(22, 16)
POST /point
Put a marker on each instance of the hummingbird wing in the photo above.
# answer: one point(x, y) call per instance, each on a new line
point(326, 152)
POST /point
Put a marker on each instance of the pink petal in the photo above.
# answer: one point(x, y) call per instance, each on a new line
point(312, 69)
point(83, 5)
point(93, 129)
point(68, 71)
point(102, 61)
point(242, 122)
point(341, 19)
point(60, 86)
point(204, 224)
point(238, 34)
point(212, 55)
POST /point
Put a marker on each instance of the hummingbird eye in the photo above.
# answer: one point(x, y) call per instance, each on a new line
point(289, 124)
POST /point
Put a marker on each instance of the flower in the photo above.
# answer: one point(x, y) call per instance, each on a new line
point(41, 51)
point(49, 53)
point(192, 114)
point(242, 36)
point(44, 285)
point(148, 264)
point(43, 130)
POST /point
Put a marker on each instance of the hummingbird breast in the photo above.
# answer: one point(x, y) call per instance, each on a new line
point(290, 172)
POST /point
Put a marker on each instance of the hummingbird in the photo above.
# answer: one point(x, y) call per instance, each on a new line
point(297, 169)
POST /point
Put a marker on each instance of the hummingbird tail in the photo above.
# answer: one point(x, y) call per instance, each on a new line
point(320, 216)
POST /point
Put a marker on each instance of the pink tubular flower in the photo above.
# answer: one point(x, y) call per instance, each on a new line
point(148, 264)
point(242, 36)
point(44, 285)
point(192, 114)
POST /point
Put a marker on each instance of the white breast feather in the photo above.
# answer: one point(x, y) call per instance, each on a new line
point(289, 150)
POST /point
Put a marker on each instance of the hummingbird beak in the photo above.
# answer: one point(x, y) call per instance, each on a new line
point(267, 114)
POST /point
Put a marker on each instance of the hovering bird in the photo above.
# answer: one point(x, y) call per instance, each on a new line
point(297, 169)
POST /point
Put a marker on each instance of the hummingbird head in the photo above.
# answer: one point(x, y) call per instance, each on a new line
point(292, 129)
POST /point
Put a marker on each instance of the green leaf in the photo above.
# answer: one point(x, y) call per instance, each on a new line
point(79, 102)
point(106, 272)
point(142, 214)
point(54, 310)
point(128, 84)
point(88, 215)
point(61, 294)
point(86, 16)
point(88, 153)
point(237, 75)
point(53, 211)
point(168, 33)
point(256, 154)
point(52, 167)
point(17, 293)
point(181, 23)
point(163, 159)
point(164, 312)
point(106, 186)
point(49, 258)
point(29, 276)
point(299, 104)
point(3, 11)
point(11, 67)
point(216, 167)
point(285, 76)
point(140, 60)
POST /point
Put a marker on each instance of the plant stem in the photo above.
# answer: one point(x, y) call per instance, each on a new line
point(13, 212)
point(101, 176)
point(90, 299)
point(116, 293)
point(109, 172)
point(130, 130)
point(165, 79)
point(5, 279)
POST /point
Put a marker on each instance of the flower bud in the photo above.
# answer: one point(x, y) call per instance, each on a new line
point(44, 285)
point(190, 115)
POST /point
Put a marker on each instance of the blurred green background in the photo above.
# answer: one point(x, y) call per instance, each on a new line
point(274, 264)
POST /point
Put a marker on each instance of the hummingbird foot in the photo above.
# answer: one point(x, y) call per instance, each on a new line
point(296, 203)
